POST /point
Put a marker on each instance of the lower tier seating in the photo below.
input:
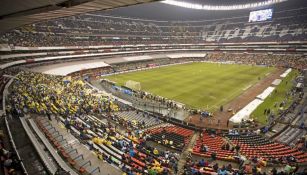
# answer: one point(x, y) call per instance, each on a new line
point(127, 151)
point(255, 146)
point(171, 136)
point(208, 144)
point(137, 119)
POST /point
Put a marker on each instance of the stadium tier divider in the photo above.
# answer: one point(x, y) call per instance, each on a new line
point(177, 122)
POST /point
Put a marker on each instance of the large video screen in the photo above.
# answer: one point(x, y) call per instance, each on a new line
point(260, 15)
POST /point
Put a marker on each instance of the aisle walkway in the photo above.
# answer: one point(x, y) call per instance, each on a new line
point(105, 168)
point(182, 160)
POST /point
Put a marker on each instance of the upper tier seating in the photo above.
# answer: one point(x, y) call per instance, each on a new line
point(92, 29)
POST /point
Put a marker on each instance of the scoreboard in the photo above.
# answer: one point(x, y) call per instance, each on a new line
point(260, 15)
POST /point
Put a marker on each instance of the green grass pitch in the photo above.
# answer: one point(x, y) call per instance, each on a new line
point(276, 97)
point(197, 85)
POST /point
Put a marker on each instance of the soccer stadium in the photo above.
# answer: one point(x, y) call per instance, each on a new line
point(153, 87)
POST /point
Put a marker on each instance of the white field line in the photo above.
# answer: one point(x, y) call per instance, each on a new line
point(230, 97)
point(247, 87)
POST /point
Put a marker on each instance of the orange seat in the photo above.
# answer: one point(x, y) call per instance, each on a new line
point(82, 170)
point(72, 162)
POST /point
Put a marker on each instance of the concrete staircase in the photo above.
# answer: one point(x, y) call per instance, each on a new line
point(182, 160)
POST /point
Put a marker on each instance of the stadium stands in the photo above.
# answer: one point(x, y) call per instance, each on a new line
point(61, 122)
point(293, 129)
point(114, 147)
point(136, 119)
point(171, 136)
point(209, 144)
point(107, 141)
point(89, 129)
point(67, 148)
point(96, 29)
point(255, 146)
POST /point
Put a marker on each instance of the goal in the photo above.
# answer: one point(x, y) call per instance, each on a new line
point(134, 85)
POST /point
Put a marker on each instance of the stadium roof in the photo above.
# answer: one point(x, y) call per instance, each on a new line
point(225, 2)
point(167, 12)
point(14, 13)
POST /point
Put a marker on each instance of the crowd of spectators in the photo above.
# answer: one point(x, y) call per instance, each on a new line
point(74, 100)
point(96, 29)
point(51, 95)
point(278, 60)
point(162, 100)
point(136, 156)
point(47, 94)
point(9, 160)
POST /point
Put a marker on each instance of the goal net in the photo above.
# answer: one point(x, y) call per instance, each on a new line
point(134, 85)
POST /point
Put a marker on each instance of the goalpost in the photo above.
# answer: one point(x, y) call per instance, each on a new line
point(134, 85)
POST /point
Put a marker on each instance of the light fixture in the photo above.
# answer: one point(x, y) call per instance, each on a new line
point(221, 7)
